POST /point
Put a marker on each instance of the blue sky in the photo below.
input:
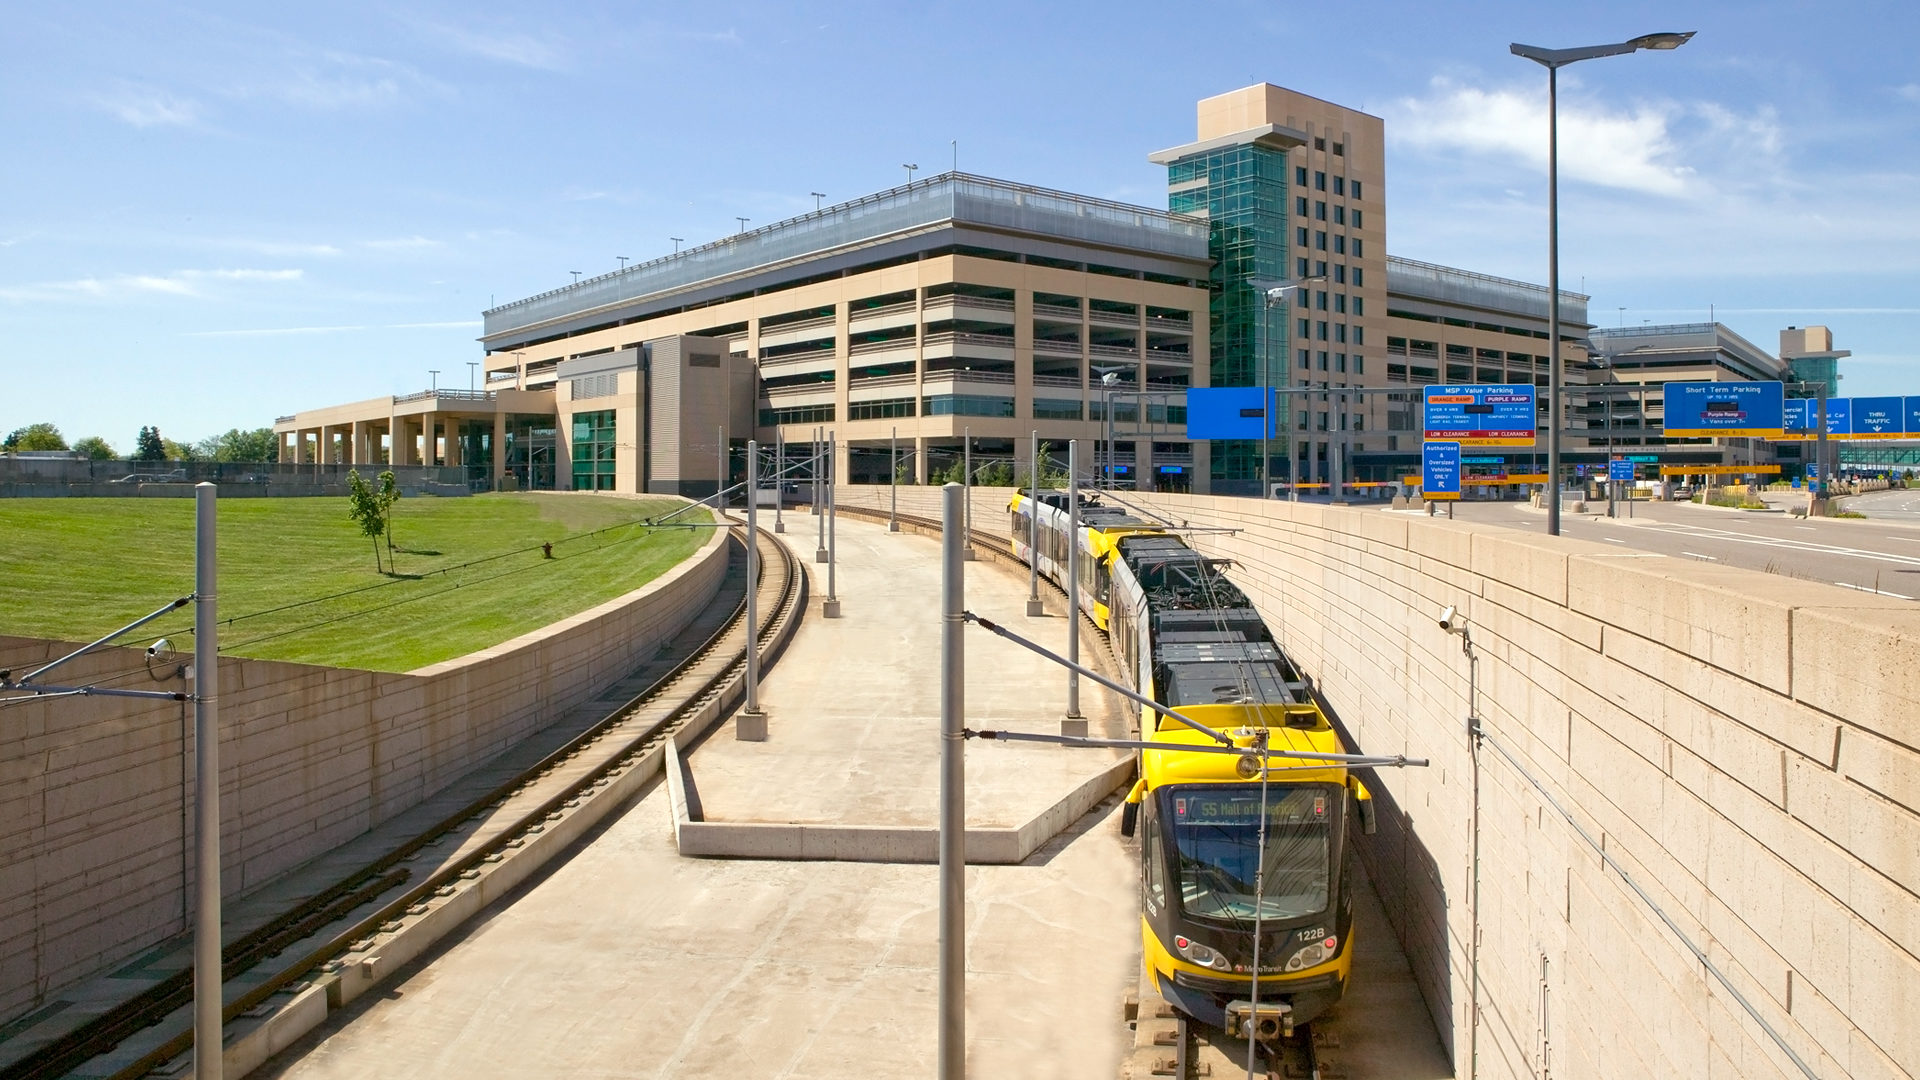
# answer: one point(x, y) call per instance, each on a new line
point(212, 215)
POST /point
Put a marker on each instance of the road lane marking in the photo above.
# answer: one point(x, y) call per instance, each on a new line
point(1806, 528)
point(1877, 592)
point(1697, 555)
point(1613, 540)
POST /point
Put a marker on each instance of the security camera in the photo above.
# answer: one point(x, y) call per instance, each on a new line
point(1451, 621)
point(160, 650)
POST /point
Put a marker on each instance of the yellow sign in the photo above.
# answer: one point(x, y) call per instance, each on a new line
point(1719, 470)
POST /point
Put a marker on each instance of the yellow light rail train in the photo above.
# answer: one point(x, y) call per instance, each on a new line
point(1217, 888)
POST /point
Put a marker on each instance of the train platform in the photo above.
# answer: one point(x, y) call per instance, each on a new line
point(630, 959)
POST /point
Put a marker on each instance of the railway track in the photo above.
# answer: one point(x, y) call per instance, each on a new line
point(343, 939)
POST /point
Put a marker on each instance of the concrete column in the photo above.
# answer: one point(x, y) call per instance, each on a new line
point(429, 431)
point(919, 459)
point(453, 440)
point(1143, 464)
point(499, 448)
point(357, 454)
point(402, 442)
point(842, 462)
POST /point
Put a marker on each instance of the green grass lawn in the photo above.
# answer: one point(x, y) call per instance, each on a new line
point(470, 572)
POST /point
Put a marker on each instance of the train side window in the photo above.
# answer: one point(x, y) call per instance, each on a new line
point(1102, 581)
point(1153, 865)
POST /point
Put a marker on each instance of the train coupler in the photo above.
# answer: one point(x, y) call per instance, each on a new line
point(1264, 1022)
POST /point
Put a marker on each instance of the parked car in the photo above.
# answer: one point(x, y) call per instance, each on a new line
point(177, 476)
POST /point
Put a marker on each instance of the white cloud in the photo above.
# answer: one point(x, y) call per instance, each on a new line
point(338, 80)
point(188, 283)
point(1909, 92)
point(503, 45)
point(147, 107)
point(401, 243)
point(1632, 150)
point(280, 331)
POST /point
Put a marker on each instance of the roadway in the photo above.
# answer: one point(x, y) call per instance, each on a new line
point(1880, 554)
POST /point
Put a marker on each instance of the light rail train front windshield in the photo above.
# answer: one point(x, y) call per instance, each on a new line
point(1216, 840)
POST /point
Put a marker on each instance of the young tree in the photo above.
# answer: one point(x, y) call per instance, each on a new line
point(148, 446)
point(388, 494)
point(366, 508)
point(96, 448)
point(179, 451)
point(41, 436)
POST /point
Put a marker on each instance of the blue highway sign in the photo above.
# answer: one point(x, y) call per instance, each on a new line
point(1725, 408)
point(1481, 415)
point(1440, 470)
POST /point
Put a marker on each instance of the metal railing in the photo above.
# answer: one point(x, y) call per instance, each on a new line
point(1051, 345)
point(961, 337)
point(1123, 352)
point(1409, 277)
point(949, 197)
point(970, 376)
point(1056, 311)
point(1073, 381)
point(451, 395)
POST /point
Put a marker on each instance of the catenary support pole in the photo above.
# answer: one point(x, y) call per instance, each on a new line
point(720, 484)
point(813, 475)
point(893, 481)
point(1074, 724)
point(966, 484)
point(751, 724)
point(1034, 608)
point(207, 1039)
point(819, 496)
point(779, 479)
point(953, 790)
point(831, 607)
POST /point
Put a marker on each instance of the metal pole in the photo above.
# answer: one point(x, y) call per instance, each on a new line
point(832, 607)
point(720, 484)
point(207, 1038)
point(779, 479)
point(1073, 576)
point(753, 576)
point(1266, 406)
point(1293, 456)
point(953, 791)
point(893, 481)
point(1034, 607)
point(819, 496)
point(1820, 451)
point(813, 478)
point(1553, 301)
point(966, 482)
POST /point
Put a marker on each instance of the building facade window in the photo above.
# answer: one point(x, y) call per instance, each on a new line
point(1319, 179)
point(1301, 235)
point(966, 405)
point(1356, 189)
point(1339, 215)
point(1320, 211)
point(593, 450)
point(1300, 175)
point(1357, 219)
point(1300, 205)
point(1340, 245)
point(1305, 360)
point(886, 409)
point(1339, 185)
point(797, 414)
point(1320, 240)
point(1056, 409)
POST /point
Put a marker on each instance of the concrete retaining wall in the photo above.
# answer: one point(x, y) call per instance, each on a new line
point(1743, 744)
point(96, 793)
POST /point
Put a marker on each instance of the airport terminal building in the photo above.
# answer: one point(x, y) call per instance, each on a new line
point(963, 310)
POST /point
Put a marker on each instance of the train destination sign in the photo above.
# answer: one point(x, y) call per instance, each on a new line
point(1440, 470)
point(1481, 415)
point(1756, 409)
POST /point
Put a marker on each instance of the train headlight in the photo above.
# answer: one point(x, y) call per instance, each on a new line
point(1317, 953)
point(1200, 954)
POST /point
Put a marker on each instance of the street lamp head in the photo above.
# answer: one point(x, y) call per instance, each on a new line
point(1661, 41)
point(1558, 58)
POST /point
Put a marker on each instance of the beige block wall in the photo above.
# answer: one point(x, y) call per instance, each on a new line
point(1743, 744)
point(96, 793)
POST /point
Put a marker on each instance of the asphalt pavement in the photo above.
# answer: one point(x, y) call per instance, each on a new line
point(1880, 554)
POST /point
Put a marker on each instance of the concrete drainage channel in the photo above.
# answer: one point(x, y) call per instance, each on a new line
point(290, 991)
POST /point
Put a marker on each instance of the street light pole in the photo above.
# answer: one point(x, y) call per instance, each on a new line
point(1274, 296)
point(1553, 60)
point(1034, 607)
